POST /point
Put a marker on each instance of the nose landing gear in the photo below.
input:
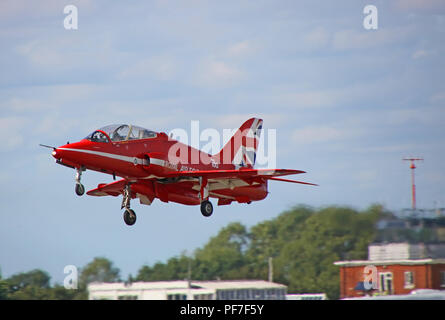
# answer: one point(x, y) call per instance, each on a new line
point(129, 214)
point(80, 189)
point(129, 217)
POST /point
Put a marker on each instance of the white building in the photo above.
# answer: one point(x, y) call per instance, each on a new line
point(405, 251)
point(185, 290)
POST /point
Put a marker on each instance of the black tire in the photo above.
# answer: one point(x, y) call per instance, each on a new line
point(129, 217)
point(206, 208)
point(80, 189)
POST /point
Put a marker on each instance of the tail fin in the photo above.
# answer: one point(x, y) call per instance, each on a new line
point(241, 149)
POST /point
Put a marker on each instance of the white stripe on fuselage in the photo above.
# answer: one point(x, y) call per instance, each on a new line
point(155, 161)
point(103, 154)
point(158, 162)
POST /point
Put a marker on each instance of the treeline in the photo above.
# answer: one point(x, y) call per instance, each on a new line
point(36, 284)
point(302, 242)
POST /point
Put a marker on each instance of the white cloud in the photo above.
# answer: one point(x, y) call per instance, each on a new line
point(43, 53)
point(351, 39)
point(212, 73)
point(420, 54)
point(313, 98)
point(19, 104)
point(160, 68)
point(416, 6)
point(398, 148)
point(316, 39)
point(47, 98)
point(317, 134)
point(234, 121)
point(12, 131)
point(239, 49)
point(427, 115)
point(44, 9)
point(438, 98)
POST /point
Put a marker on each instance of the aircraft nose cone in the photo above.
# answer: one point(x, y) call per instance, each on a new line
point(57, 153)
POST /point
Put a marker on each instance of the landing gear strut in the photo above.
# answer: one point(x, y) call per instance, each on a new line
point(129, 214)
point(80, 189)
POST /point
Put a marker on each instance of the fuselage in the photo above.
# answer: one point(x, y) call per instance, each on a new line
point(153, 166)
point(136, 159)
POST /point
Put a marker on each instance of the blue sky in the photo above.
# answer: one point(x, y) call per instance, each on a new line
point(347, 103)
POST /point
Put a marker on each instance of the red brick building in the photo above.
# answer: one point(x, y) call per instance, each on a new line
point(392, 270)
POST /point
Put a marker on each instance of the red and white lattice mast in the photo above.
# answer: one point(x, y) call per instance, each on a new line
point(413, 184)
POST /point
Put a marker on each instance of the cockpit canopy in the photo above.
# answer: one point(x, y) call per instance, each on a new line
point(120, 132)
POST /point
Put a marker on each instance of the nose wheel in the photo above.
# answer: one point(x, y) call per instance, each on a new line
point(129, 214)
point(129, 217)
point(80, 189)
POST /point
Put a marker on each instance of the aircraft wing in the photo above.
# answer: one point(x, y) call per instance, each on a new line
point(110, 189)
point(115, 188)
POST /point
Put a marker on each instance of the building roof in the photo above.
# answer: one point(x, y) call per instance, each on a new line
point(388, 262)
point(238, 284)
point(180, 284)
point(184, 284)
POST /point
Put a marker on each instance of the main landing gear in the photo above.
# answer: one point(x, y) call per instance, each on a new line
point(80, 189)
point(206, 205)
point(206, 208)
point(129, 214)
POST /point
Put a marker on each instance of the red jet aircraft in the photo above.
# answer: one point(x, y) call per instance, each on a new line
point(152, 165)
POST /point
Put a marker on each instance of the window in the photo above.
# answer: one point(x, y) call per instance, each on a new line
point(177, 297)
point(240, 294)
point(386, 283)
point(280, 294)
point(120, 132)
point(220, 295)
point(127, 297)
point(203, 297)
point(97, 136)
point(270, 294)
point(409, 279)
point(128, 132)
point(442, 278)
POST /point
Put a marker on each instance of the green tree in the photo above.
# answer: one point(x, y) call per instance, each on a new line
point(269, 237)
point(223, 256)
point(334, 233)
point(3, 290)
point(58, 292)
point(99, 270)
point(32, 285)
point(175, 268)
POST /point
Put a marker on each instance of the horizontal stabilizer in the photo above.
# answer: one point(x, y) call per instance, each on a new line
point(293, 181)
